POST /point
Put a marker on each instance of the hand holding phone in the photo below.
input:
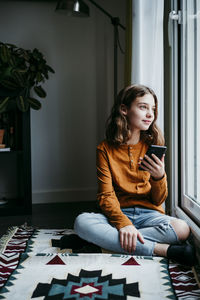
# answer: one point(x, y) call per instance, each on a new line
point(159, 151)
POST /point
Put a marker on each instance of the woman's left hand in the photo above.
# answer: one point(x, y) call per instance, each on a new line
point(155, 166)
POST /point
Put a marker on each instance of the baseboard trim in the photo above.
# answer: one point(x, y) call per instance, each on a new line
point(62, 196)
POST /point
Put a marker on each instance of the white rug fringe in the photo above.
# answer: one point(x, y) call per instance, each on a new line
point(6, 237)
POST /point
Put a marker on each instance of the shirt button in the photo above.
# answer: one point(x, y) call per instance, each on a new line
point(131, 161)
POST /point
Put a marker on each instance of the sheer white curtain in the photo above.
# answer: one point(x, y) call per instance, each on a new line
point(147, 48)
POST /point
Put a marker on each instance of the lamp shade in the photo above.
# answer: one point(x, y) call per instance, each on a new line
point(73, 8)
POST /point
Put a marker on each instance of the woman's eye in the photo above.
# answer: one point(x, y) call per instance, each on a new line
point(143, 106)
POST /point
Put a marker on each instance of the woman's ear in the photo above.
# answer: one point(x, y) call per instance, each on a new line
point(123, 109)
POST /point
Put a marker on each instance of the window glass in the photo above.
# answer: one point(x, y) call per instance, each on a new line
point(191, 98)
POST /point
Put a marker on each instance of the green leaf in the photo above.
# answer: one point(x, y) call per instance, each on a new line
point(19, 79)
point(34, 103)
point(41, 66)
point(40, 91)
point(3, 104)
point(33, 68)
point(11, 61)
point(50, 69)
point(7, 71)
point(4, 53)
point(39, 77)
point(37, 54)
point(46, 74)
point(8, 84)
point(22, 103)
point(11, 45)
point(25, 55)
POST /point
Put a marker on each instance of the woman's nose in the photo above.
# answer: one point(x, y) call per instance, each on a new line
point(149, 113)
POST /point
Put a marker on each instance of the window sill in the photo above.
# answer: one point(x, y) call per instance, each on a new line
point(194, 228)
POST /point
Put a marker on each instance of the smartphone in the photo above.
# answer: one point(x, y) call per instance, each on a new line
point(155, 149)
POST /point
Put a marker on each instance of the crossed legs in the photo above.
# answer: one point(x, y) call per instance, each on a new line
point(163, 235)
point(154, 227)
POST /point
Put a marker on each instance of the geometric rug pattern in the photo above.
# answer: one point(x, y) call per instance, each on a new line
point(87, 284)
point(184, 282)
point(30, 268)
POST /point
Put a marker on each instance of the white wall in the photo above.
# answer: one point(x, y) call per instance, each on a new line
point(65, 132)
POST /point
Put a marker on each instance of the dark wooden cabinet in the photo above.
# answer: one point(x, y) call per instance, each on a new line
point(15, 166)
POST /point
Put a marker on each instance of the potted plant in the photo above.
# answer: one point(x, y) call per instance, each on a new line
point(20, 72)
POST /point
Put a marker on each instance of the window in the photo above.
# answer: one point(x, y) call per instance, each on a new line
point(190, 108)
point(185, 20)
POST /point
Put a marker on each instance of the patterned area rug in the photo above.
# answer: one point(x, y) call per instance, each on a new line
point(30, 268)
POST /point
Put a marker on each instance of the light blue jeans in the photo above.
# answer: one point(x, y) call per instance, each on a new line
point(154, 226)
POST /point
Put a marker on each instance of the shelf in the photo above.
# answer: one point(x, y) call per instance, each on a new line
point(11, 152)
point(15, 171)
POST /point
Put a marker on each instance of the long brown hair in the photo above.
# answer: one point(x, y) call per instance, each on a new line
point(117, 129)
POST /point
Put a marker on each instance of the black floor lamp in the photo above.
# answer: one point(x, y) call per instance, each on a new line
point(80, 9)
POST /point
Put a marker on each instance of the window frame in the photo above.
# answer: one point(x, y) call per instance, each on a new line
point(187, 203)
point(182, 206)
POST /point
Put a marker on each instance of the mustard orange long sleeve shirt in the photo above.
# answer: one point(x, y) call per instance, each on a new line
point(121, 184)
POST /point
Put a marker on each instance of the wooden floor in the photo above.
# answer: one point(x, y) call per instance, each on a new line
point(54, 215)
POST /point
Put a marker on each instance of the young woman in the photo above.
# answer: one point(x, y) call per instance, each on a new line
point(132, 219)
